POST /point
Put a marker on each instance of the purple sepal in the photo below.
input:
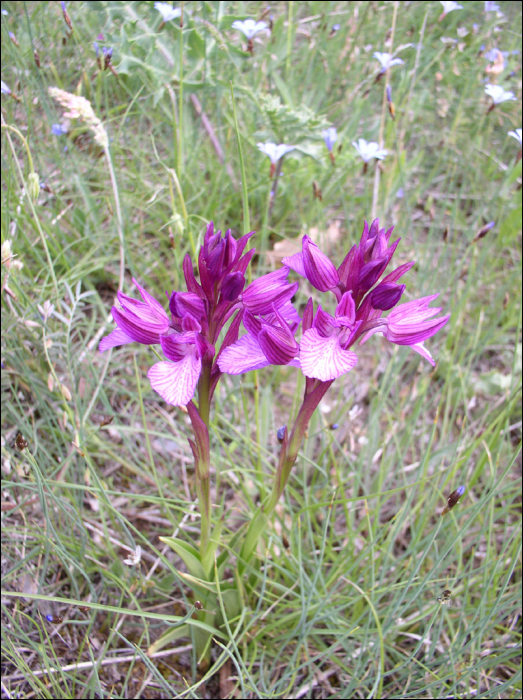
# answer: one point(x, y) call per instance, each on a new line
point(270, 289)
point(308, 315)
point(115, 338)
point(319, 270)
point(190, 280)
point(200, 431)
point(395, 275)
point(205, 277)
point(346, 309)
point(295, 262)
point(136, 328)
point(182, 303)
point(244, 356)
point(190, 324)
point(173, 348)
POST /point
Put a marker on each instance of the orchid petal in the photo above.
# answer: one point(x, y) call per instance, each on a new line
point(176, 381)
point(243, 356)
point(115, 338)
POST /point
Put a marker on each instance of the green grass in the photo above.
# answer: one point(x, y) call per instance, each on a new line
point(343, 602)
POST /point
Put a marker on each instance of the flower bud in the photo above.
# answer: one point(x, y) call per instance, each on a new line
point(386, 296)
point(33, 186)
point(232, 286)
point(319, 270)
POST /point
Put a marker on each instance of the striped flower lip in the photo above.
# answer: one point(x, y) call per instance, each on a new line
point(324, 353)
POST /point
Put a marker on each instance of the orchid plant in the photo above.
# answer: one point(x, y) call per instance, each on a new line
point(200, 337)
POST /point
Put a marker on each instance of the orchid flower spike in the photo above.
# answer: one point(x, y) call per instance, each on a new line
point(249, 27)
point(369, 150)
point(386, 60)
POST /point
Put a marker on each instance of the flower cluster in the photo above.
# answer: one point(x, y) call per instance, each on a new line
point(324, 351)
point(189, 333)
point(80, 108)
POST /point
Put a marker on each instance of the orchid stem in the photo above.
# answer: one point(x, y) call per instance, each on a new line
point(287, 459)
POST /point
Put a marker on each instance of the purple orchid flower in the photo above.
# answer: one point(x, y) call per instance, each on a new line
point(411, 324)
point(324, 353)
point(188, 335)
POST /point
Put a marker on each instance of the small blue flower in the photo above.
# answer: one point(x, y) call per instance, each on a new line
point(167, 11)
point(249, 27)
point(6, 90)
point(96, 48)
point(330, 135)
point(58, 129)
point(335, 27)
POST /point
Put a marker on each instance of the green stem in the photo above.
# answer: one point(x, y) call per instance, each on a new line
point(180, 105)
point(287, 459)
point(289, 41)
point(119, 218)
point(29, 198)
point(201, 431)
point(245, 197)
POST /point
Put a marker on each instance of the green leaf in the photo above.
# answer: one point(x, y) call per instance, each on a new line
point(208, 559)
point(189, 554)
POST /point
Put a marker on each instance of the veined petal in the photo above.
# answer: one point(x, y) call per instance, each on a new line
point(277, 346)
point(243, 356)
point(289, 313)
point(295, 262)
point(136, 328)
point(144, 312)
point(323, 358)
point(176, 381)
point(153, 304)
point(174, 347)
point(347, 307)
point(324, 323)
point(415, 333)
point(270, 289)
point(422, 350)
point(319, 270)
point(115, 338)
